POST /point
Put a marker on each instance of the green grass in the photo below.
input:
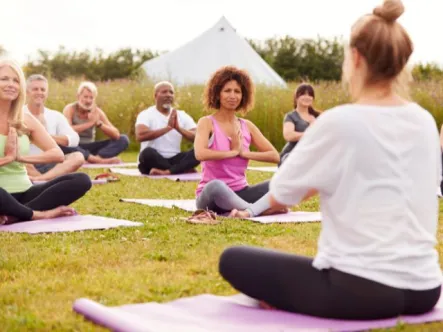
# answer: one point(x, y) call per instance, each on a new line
point(165, 259)
point(123, 100)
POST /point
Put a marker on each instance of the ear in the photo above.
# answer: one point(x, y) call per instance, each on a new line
point(357, 58)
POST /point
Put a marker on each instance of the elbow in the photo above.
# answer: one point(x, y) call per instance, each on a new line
point(275, 157)
point(286, 137)
point(199, 155)
point(73, 141)
point(138, 138)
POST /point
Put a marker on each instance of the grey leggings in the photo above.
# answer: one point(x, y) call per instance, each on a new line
point(218, 197)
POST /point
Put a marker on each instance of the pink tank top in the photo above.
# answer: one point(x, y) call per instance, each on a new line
point(231, 171)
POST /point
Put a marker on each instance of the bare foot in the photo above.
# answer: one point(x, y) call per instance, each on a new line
point(239, 214)
point(3, 220)
point(156, 171)
point(61, 211)
point(272, 211)
point(99, 160)
point(114, 160)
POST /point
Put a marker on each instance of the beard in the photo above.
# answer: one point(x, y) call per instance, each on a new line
point(85, 107)
point(167, 106)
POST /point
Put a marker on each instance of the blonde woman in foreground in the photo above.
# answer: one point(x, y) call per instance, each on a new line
point(19, 199)
point(380, 166)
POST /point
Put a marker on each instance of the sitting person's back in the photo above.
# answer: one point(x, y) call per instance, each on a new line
point(378, 186)
point(376, 165)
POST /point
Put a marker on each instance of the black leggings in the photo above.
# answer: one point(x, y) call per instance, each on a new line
point(62, 190)
point(289, 282)
point(182, 162)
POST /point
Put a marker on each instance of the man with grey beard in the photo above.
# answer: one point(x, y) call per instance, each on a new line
point(85, 116)
point(160, 130)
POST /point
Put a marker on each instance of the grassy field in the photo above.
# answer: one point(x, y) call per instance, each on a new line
point(123, 100)
point(165, 259)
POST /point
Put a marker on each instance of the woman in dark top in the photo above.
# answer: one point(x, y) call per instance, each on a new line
point(298, 120)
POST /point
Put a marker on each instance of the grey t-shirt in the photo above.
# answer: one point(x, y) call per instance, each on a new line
point(300, 125)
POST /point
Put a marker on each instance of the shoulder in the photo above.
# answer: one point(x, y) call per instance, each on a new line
point(69, 107)
point(183, 114)
point(29, 120)
point(146, 112)
point(51, 112)
point(205, 122)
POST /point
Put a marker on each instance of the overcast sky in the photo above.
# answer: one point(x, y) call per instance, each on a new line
point(28, 25)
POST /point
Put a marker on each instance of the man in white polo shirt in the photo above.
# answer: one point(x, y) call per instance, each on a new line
point(160, 130)
point(57, 126)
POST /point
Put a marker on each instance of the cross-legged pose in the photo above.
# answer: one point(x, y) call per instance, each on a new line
point(376, 164)
point(160, 129)
point(57, 126)
point(85, 117)
point(19, 199)
point(222, 144)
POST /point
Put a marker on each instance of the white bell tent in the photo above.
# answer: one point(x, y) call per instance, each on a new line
point(194, 62)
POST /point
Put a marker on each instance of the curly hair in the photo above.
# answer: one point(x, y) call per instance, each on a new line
point(217, 82)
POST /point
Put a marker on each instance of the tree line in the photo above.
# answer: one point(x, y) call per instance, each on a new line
point(293, 59)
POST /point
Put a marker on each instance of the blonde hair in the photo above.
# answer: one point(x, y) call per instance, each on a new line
point(88, 86)
point(16, 114)
point(384, 44)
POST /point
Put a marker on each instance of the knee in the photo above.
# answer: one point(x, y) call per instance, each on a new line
point(147, 153)
point(82, 181)
point(3, 192)
point(124, 141)
point(77, 160)
point(214, 186)
point(227, 263)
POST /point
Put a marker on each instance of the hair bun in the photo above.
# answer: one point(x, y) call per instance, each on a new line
point(390, 11)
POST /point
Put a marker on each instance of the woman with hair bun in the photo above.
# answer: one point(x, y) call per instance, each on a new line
point(376, 164)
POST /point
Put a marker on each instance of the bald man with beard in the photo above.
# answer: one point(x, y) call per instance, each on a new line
point(160, 130)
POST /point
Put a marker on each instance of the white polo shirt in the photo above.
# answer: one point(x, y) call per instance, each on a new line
point(56, 124)
point(376, 169)
point(169, 144)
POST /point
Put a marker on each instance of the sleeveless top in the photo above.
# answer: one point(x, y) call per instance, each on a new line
point(88, 135)
point(231, 171)
point(13, 176)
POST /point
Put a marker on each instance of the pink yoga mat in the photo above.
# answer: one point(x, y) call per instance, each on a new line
point(87, 165)
point(67, 224)
point(189, 205)
point(225, 314)
point(271, 169)
point(99, 181)
point(175, 177)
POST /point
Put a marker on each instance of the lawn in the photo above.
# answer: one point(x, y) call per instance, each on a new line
point(165, 259)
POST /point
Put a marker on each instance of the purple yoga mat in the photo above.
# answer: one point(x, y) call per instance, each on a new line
point(175, 177)
point(189, 205)
point(99, 181)
point(67, 224)
point(237, 313)
point(271, 169)
point(87, 165)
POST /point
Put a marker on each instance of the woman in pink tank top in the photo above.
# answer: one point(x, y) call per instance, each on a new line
point(222, 145)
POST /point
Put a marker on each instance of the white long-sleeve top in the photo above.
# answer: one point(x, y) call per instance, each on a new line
point(56, 124)
point(377, 170)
